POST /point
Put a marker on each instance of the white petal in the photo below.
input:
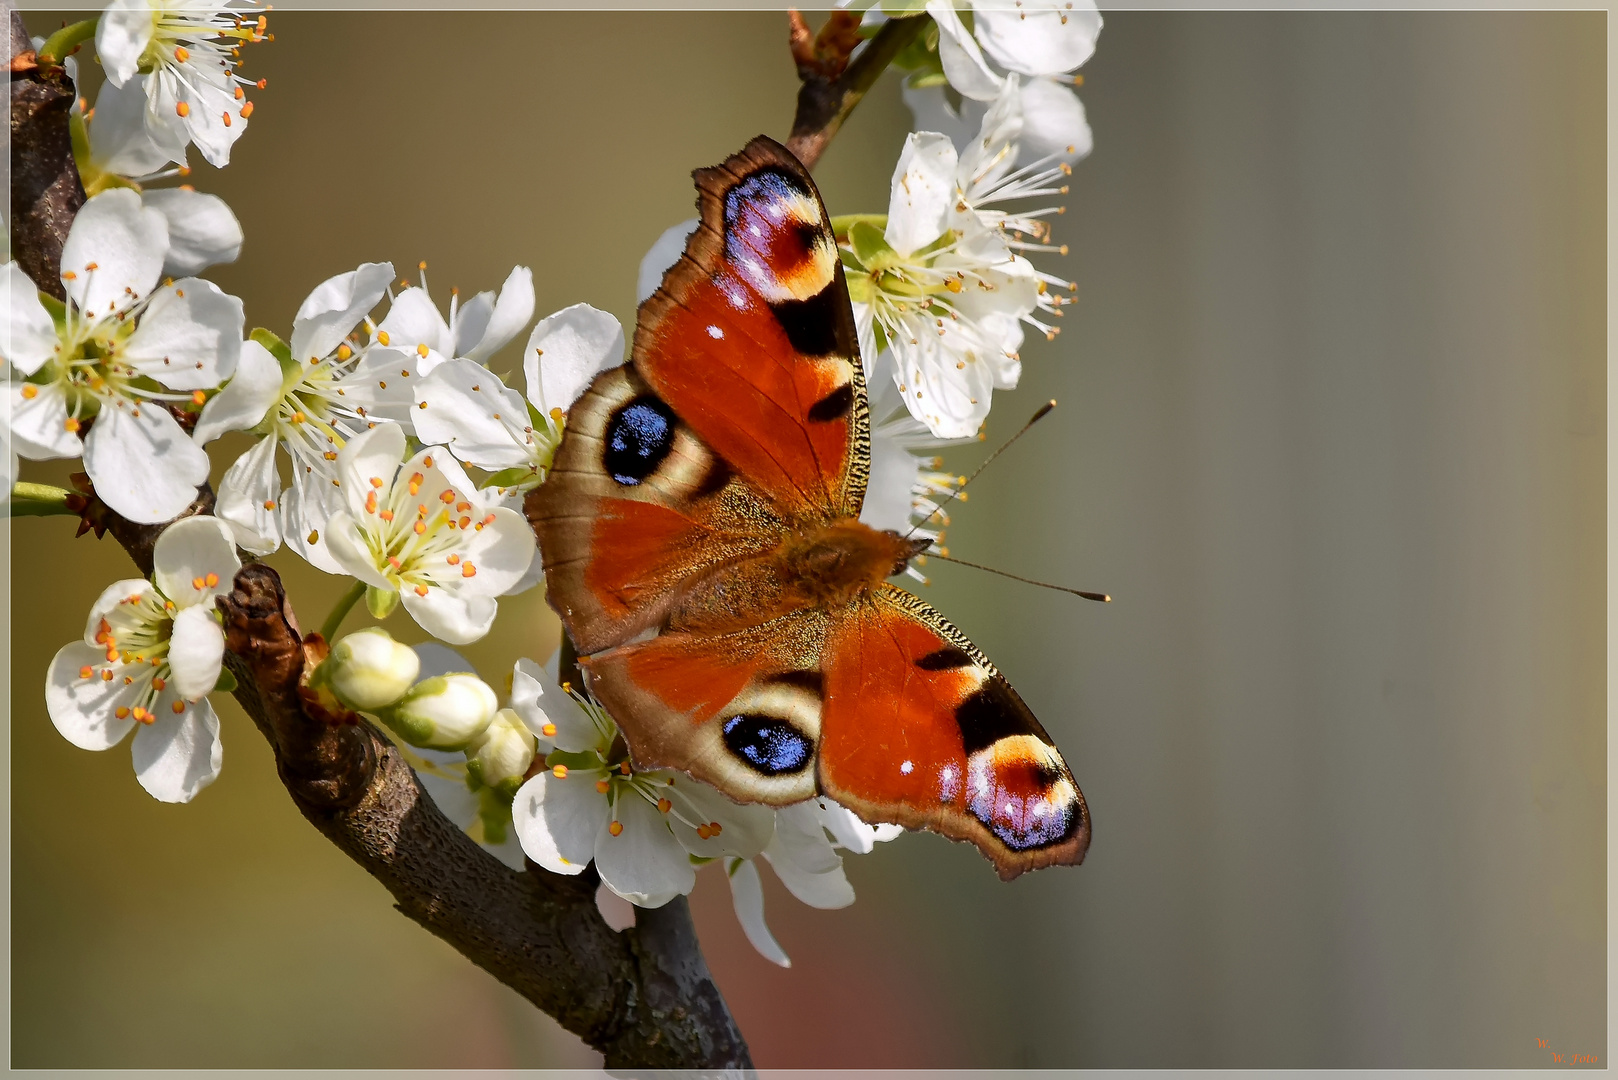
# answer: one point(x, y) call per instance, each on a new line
point(178, 754)
point(196, 652)
point(124, 241)
point(143, 466)
point(461, 399)
point(368, 462)
point(931, 111)
point(203, 231)
point(122, 34)
point(889, 490)
point(246, 488)
point(413, 319)
point(502, 552)
point(246, 397)
point(847, 829)
point(958, 51)
point(664, 253)
point(187, 553)
point(83, 709)
point(745, 830)
point(383, 384)
point(346, 545)
point(1053, 121)
point(306, 506)
point(527, 690)
point(335, 307)
point(923, 191)
point(557, 821)
point(457, 618)
point(451, 796)
point(164, 126)
point(747, 895)
point(128, 589)
point(1038, 39)
point(800, 838)
point(826, 889)
point(575, 732)
point(511, 313)
point(119, 142)
point(644, 864)
point(566, 351)
point(28, 336)
point(190, 337)
point(206, 123)
point(36, 426)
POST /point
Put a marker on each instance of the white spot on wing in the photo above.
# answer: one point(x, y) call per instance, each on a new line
point(907, 767)
point(715, 333)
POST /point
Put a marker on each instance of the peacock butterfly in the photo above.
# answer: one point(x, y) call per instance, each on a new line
point(701, 543)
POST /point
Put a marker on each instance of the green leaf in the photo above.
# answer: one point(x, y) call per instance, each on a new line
point(291, 370)
point(507, 478)
point(226, 683)
point(874, 252)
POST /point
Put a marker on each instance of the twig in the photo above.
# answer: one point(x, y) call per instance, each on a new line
point(833, 82)
point(643, 997)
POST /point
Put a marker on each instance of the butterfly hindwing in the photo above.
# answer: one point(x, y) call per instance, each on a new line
point(751, 337)
point(920, 729)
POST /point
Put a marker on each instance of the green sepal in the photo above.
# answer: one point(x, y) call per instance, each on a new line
point(872, 250)
point(903, 9)
point(226, 683)
point(380, 602)
point(859, 287)
point(291, 370)
point(843, 222)
point(921, 52)
point(509, 478)
point(922, 80)
point(55, 308)
point(583, 759)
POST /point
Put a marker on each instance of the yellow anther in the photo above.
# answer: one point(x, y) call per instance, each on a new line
point(198, 397)
point(452, 559)
point(422, 265)
point(421, 590)
point(314, 536)
point(120, 712)
point(421, 350)
point(183, 109)
point(376, 481)
point(181, 53)
point(178, 706)
point(344, 352)
point(213, 579)
point(664, 806)
point(86, 671)
point(549, 731)
point(30, 391)
point(427, 461)
point(615, 827)
point(159, 684)
point(198, 583)
point(226, 115)
point(602, 786)
point(420, 528)
point(382, 336)
point(560, 772)
point(298, 418)
point(269, 504)
point(468, 570)
point(70, 424)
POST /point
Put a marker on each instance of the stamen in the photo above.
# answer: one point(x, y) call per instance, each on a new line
point(615, 827)
point(560, 772)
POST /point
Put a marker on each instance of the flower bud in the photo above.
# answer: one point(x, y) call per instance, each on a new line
point(500, 756)
point(442, 713)
point(368, 670)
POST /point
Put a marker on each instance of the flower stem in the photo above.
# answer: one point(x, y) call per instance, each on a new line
point(65, 40)
point(345, 604)
point(39, 500)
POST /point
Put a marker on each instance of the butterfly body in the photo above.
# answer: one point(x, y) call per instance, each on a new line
point(701, 539)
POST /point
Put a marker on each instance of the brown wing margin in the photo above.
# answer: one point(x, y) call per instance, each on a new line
point(751, 338)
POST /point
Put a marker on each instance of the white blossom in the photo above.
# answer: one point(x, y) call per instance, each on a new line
point(332, 384)
point(475, 330)
point(422, 532)
point(367, 670)
point(151, 653)
point(465, 407)
point(121, 350)
point(181, 57)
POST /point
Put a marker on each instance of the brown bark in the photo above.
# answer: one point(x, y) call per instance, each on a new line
point(834, 77)
point(643, 997)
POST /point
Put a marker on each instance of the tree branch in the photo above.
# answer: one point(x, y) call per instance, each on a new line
point(834, 79)
point(643, 997)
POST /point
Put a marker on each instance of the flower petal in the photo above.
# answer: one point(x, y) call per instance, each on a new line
point(557, 821)
point(213, 119)
point(502, 552)
point(28, 336)
point(179, 753)
point(382, 385)
point(826, 889)
point(457, 406)
point(566, 351)
point(124, 241)
point(203, 231)
point(1053, 122)
point(36, 426)
point(346, 545)
point(335, 307)
point(246, 397)
point(130, 589)
point(747, 896)
point(247, 499)
point(187, 554)
point(305, 509)
point(664, 253)
point(142, 463)
point(890, 489)
point(196, 651)
point(413, 319)
point(459, 618)
point(527, 688)
point(644, 863)
point(958, 51)
point(190, 336)
point(119, 141)
point(923, 191)
point(1035, 38)
point(745, 830)
point(368, 462)
point(438, 660)
point(122, 34)
point(511, 313)
point(83, 710)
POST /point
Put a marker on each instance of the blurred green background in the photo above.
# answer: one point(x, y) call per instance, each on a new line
point(1332, 435)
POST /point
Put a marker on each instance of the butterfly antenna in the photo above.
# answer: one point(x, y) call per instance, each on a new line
point(1099, 597)
point(1032, 420)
